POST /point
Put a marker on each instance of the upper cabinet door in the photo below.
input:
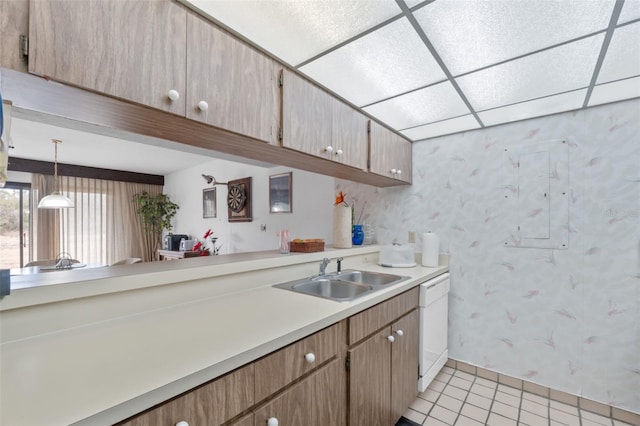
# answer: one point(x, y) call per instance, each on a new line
point(307, 113)
point(389, 153)
point(129, 49)
point(230, 85)
point(14, 22)
point(349, 135)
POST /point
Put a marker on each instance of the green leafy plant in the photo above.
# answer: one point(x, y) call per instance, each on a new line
point(156, 212)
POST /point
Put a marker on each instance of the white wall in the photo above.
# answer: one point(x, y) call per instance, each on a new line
point(312, 206)
point(566, 319)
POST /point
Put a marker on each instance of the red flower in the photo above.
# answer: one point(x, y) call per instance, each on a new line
point(197, 246)
point(340, 198)
point(208, 233)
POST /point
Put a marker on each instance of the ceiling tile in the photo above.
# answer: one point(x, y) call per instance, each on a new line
point(298, 30)
point(384, 63)
point(469, 35)
point(434, 103)
point(557, 70)
point(536, 108)
point(616, 91)
point(630, 11)
point(459, 124)
point(622, 59)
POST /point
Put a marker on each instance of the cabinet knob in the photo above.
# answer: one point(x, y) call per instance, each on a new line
point(394, 171)
point(400, 333)
point(272, 421)
point(310, 357)
point(203, 106)
point(182, 423)
point(328, 149)
point(173, 95)
point(399, 171)
point(339, 152)
point(391, 339)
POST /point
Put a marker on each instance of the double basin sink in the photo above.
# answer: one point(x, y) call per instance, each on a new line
point(343, 286)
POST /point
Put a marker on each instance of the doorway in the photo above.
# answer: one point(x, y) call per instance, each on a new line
point(15, 241)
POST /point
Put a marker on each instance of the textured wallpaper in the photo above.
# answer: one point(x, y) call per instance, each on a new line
point(566, 319)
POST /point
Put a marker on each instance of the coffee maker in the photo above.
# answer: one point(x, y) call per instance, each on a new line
point(172, 241)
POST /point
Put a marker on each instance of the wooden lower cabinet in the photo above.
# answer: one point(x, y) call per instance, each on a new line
point(383, 376)
point(318, 400)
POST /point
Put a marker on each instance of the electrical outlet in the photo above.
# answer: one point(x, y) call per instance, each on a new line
point(263, 228)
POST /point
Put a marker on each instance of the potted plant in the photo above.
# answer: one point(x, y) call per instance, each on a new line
point(156, 212)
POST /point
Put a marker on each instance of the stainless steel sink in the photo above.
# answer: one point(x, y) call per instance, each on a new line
point(370, 278)
point(344, 286)
point(333, 289)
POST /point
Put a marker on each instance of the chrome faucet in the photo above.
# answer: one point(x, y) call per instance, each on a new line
point(323, 266)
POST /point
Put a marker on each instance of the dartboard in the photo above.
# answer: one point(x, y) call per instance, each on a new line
point(236, 198)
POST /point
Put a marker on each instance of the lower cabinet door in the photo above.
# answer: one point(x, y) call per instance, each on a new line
point(370, 381)
point(330, 395)
point(404, 363)
point(292, 408)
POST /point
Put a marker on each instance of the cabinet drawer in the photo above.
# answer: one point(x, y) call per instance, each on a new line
point(211, 404)
point(280, 368)
point(373, 319)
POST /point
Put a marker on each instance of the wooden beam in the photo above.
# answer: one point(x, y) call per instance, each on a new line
point(46, 168)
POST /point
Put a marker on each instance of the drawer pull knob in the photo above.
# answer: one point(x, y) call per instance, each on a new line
point(399, 172)
point(174, 95)
point(393, 171)
point(310, 358)
point(329, 149)
point(339, 152)
point(203, 106)
point(182, 423)
point(400, 333)
point(391, 339)
point(272, 421)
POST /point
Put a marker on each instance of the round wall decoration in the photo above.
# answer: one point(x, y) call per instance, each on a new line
point(236, 198)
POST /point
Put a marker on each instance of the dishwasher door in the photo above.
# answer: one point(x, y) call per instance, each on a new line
point(434, 317)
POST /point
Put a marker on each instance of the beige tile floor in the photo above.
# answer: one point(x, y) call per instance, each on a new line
point(462, 399)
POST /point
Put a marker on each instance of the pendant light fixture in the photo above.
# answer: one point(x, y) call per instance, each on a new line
point(55, 200)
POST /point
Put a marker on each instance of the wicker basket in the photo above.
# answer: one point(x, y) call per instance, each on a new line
point(306, 246)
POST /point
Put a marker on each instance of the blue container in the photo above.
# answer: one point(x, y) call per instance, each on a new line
point(357, 235)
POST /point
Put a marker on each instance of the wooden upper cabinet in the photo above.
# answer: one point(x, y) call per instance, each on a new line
point(307, 113)
point(14, 22)
point(129, 49)
point(316, 123)
point(349, 137)
point(229, 84)
point(389, 153)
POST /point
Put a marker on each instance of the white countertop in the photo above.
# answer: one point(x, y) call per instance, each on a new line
point(106, 371)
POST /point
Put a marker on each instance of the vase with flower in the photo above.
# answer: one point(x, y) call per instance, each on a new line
point(203, 249)
point(346, 231)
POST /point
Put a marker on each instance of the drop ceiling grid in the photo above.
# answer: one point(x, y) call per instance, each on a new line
point(503, 58)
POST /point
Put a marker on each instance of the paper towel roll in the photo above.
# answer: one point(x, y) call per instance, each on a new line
point(430, 249)
point(342, 227)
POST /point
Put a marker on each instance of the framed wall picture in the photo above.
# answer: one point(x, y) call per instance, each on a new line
point(239, 200)
point(280, 199)
point(209, 203)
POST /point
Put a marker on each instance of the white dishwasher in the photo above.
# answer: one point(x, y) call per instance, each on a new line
point(434, 310)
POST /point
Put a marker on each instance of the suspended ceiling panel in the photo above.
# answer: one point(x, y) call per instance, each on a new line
point(298, 30)
point(630, 11)
point(356, 72)
point(625, 43)
point(430, 104)
point(538, 107)
point(556, 70)
point(506, 59)
point(453, 125)
point(611, 92)
point(472, 34)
